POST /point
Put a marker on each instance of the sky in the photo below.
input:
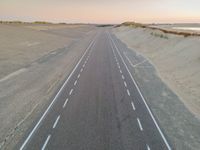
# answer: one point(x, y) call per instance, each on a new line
point(102, 11)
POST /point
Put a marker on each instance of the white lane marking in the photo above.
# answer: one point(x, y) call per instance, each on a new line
point(142, 62)
point(133, 105)
point(125, 84)
point(75, 82)
point(139, 123)
point(70, 93)
point(148, 148)
point(46, 142)
point(128, 92)
point(65, 103)
point(55, 98)
point(83, 65)
point(119, 66)
point(129, 60)
point(143, 99)
point(120, 71)
point(56, 122)
point(123, 77)
point(137, 64)
point(81, 69)
point(78, 75)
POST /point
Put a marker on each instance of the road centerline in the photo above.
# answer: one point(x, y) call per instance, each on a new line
point(75, 82)
point(56, 122)
point(128, 92)
point(46, 142)
point(65, 103)
point(70, 93)
point(133, 106)
point(140, 125)
point(125, 84)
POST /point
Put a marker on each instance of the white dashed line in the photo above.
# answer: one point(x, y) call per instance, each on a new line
point(78, 76)
point(143, 99)
point(120, 71)
point(46, 142)
point(75, 82)
point(125, 84)
point(148, 148)
point(83, 65)
point(56, 122)
point(128, 92)
point(139, 123)
point(81, 69)
point(123, 77)
point(70, 93)
point(56, 96)
point(65, 103)
point(133, 105)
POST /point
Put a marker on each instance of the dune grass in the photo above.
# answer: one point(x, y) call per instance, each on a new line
point(140, 25)
point(159, 35)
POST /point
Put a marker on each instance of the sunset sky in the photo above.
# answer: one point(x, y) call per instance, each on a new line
point(101, 11)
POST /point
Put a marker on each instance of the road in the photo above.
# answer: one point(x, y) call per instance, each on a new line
point(99, 107)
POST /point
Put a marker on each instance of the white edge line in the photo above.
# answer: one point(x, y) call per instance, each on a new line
point(56, 122)
point(65, 103)
point(44, 114)
point(139, 123)
point(46, 142)
point(154, 120)
point(133, 105)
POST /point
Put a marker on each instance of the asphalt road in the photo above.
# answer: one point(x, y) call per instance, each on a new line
point(99, 107)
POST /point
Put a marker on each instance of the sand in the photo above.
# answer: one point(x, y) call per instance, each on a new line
point(176, 58)
point(22, 44)
point(34, 61)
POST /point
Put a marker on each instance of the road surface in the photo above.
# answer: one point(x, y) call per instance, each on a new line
point(99, 107)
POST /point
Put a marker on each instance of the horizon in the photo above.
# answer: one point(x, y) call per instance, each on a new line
point(101, 12)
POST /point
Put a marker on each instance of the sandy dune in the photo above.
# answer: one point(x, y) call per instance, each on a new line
point(34, 61)
point(22, 44)
point(176, 58)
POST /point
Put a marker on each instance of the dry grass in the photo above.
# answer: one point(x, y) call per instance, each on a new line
point(159, 35)
point(139, 25)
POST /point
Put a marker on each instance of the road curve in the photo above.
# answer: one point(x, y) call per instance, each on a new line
point(99, 107)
